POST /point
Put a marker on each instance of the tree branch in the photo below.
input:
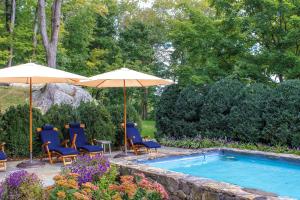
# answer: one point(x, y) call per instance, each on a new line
point(56, 12)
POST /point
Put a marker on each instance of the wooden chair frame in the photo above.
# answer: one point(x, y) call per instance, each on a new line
point(66, 159)
point(82, 151)
point(3, 162)
point(137, 148)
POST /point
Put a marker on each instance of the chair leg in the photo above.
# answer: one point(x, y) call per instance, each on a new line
point(64, 161)
point(3, 165)
point(50, 158)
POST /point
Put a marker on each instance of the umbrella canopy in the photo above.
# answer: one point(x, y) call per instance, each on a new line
point(132, 78)
point(31, 73)
point(38, 74)
point(124, 78)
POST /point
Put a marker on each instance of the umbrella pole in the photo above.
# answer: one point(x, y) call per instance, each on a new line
point(30, 120)
point(125, 128)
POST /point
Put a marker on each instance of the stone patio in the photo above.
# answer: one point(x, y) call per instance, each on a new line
point(48, 171)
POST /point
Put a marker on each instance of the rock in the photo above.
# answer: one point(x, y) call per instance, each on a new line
point(59, 93)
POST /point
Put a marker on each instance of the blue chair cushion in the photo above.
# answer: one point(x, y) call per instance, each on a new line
point(91, 148)
point(2, 155)
point(81, 139)
point(66, 151)
point(47, 127)
point(130, 124)
point(49, 135)
point(133, 134)
point(74, 125)
point(151, 144)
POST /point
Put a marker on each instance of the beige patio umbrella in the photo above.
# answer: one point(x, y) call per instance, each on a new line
point(32, 73)
point(124, 78)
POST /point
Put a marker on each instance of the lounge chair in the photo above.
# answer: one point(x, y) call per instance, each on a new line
point(52, 145)
point(3, 157)
point(79, 140)
point(136, 141)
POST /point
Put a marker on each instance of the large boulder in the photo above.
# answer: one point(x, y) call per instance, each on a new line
point(59, 93)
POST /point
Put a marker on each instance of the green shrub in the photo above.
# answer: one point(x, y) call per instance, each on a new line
point(117, 115)
point(281, 115)
point(165, 111)
point(60, 115)
point(220, 99)
point(98, 121)
point(231, 110)
point(246, 116)
point(187, 111)
point(15, 130)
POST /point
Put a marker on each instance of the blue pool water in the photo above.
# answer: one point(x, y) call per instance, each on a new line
point(271, 175)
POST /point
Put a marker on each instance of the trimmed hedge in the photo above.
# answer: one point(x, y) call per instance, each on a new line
point(234, 111)
point(101, 123)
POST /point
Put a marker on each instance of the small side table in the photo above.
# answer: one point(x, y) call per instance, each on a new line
point(103, 143)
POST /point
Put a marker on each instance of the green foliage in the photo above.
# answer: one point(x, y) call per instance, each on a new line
point(60, 115)
point(220, 99)
point(229, 109)
point(98, 121)
point(246, 118)
point(165, 111)
point(281, 115)
point(188, 109)
point(107, 179)
point(148, 128)
point(95, 116)
point(15, 130)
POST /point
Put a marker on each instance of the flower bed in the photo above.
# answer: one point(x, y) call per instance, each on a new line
point(85, 179)
point(22, 185)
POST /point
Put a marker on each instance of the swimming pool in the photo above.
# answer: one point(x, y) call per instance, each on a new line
point(278, 176)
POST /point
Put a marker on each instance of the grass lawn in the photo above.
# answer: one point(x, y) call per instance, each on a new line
point(148, 128)
point(10, 96)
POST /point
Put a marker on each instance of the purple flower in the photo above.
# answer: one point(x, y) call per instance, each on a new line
point(1, 191)
point(89, 169)
point(15, 178)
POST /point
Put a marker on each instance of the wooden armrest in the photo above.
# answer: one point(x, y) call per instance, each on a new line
point(122, 124)
point(64, 143)
point(2, 145)
point(73, 142)
point(46, 144)
point(146, 138)
point(93, 141)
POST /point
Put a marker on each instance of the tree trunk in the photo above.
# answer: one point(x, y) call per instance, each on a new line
point(10, 24)
point(35, 31)
point(50, 45)
point(51, 56)
point(145, 104)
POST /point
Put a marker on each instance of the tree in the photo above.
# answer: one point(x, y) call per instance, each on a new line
point(10, 6)
point(272, 29)
point(50, 44)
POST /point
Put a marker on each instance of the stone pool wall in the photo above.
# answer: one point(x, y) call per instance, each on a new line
point(186, 187)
